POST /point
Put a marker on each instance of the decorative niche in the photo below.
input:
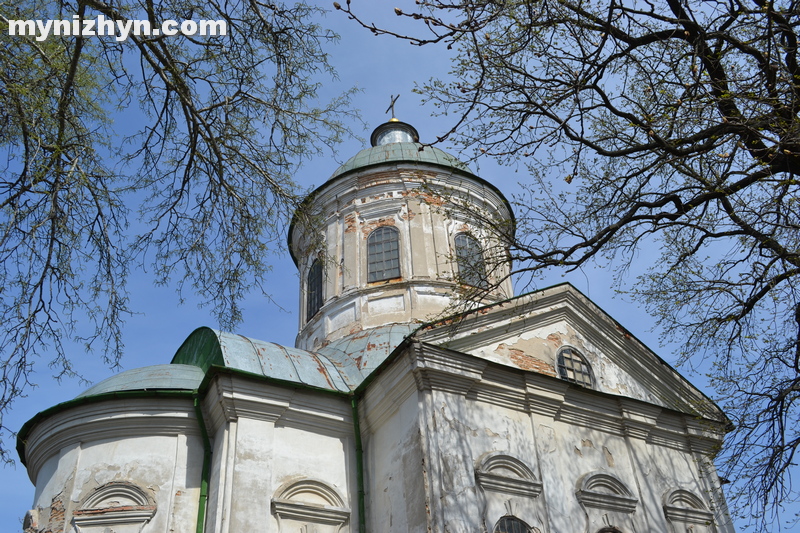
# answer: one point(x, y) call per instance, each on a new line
point(311, 506)
point(607, 503)
point(118, 506)
point(685, 511)
point(507, 475)
point(509, 491)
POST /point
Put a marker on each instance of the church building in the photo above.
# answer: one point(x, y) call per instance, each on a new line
point(405, 406)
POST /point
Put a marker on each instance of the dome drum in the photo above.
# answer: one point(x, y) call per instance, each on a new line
point(396, 210)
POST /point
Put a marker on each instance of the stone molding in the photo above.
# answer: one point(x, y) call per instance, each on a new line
point(438, 369)
point(231, 397)
point(504, 474)
point(638, 420)
point(383, 397)
point(604, 491)
point(105, 419)
point(310, 500)
point(684, 507)
point(115, 503)
point(565, 303)
point(444, 370)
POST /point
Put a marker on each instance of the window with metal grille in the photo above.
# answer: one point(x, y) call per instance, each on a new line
point(383, 254)
point(511, 524)
point(469, 257)
point(314, 289)
point(574, 368)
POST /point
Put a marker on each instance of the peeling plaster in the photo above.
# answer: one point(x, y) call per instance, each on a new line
point(609, 457)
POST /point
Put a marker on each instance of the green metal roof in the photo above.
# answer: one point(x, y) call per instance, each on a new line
point(339, 366)
point(404, 152)
point(156, 377)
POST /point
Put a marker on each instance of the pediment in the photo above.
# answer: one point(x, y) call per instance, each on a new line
point(529, 332)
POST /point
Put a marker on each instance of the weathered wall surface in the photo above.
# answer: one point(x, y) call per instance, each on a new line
point(423, 204)
point(396, 463)
point(283, 458)
point(485, 441)
point(116, 459)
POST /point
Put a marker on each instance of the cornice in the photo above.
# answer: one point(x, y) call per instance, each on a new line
point(508, 485)
point(638, 420)
point(497, 322)
point(438, 369)
point(544, 395)
point(342, 192)
point(445, 370)
point(231, 397)
point(381, 399)
point(109, 419)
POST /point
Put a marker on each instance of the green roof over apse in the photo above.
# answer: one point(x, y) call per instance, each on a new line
point(339, 366)
point(400, 152)
point(156, 377)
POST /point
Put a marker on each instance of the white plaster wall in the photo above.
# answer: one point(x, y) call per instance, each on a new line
point(395, 465)
point(460, 431)
point(166, 467)
point(303, 454)
point(252, 476)
point(567, 453)
point(54, 479)
point(152, 443)
point(430, 441)
point(221, 477)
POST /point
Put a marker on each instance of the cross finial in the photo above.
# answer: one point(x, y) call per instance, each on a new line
point(391, 106)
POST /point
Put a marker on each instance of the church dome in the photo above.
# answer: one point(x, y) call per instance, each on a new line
point(156, 377)
point(397, 235)
point(397, 142)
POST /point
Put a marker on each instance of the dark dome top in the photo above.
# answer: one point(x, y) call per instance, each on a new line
point(396, 142)
point(402, 152)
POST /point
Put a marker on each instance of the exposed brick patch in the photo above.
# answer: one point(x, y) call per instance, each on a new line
point(369, 227)
point(57, 514)
point(555, 339)
point(525, 361)
point(111, 510)
point(350, 223)
point(426, 197)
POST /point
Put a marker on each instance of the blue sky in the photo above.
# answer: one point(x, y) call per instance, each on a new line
point(380, 67)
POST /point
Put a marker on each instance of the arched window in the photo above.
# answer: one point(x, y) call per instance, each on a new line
point(469, 257)
point(383, 254)
point(511, 524)
point(314, 289)
point(574, 368)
